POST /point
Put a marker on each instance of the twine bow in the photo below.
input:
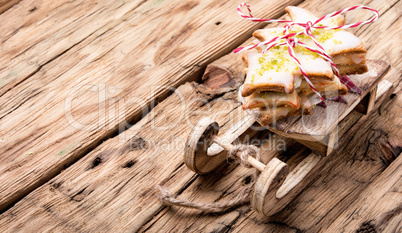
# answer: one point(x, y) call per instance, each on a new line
point(291, 41)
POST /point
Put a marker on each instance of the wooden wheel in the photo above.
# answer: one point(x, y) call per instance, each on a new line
point(267, 185)
point(198, 142)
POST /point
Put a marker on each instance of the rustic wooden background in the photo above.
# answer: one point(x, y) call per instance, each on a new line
point(73, 74)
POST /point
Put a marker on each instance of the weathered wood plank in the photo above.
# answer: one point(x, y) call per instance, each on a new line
point(7, 4)
point(107, 81)
point(379, 207)
point(36, 32)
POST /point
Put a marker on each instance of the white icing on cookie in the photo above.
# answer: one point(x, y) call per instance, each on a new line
point(341, 42)
point(314, 65)
point(277, 76)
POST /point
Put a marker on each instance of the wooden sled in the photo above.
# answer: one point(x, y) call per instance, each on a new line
point(276, 186)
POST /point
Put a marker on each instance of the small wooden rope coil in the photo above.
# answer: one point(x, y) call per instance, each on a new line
point(214, 207)
point(243, 151)
point(217, 207)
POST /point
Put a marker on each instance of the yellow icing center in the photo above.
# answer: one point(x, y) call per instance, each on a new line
point(304, 51)
point(277, 61)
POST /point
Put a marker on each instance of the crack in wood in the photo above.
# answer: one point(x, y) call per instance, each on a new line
point(367, 227)
point(130, 163)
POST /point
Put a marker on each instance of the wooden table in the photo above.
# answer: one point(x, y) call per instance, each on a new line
point(89, 123)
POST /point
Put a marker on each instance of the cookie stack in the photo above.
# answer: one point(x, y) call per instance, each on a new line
point(275, 86)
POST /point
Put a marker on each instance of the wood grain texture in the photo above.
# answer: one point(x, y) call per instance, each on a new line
point(36, 32)
point(108, 80)
point(7, 4)
point(379, 206)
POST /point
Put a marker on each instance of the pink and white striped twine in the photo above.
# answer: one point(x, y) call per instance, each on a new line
point(291, 40)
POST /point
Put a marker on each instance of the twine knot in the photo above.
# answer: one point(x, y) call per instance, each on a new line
point(293, 42)
point(308, 26)
point(243, 151)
